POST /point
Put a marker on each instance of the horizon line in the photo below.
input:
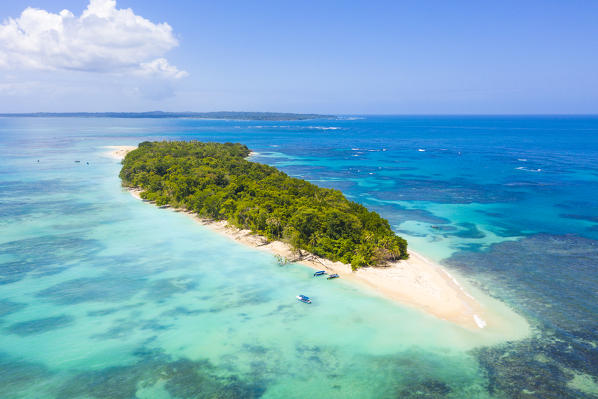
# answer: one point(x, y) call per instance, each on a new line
point(288, 113)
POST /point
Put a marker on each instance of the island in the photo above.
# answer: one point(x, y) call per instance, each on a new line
point(215, 181)
point(257, 205)
point(234, 115)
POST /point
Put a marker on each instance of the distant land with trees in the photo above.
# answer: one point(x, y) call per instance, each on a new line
point(251, 116)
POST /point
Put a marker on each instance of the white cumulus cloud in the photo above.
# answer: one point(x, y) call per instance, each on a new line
point(102, 39)
point(160, 67)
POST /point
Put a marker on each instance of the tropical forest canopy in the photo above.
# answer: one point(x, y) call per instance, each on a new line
point(215, 181)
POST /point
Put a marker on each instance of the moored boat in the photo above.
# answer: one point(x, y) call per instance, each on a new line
point(319, 273)
point(333, 276)
point(303, 298)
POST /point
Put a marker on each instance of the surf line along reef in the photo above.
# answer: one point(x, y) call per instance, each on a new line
point(262, 206)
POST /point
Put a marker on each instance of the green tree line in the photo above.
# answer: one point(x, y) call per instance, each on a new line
point(215, 181)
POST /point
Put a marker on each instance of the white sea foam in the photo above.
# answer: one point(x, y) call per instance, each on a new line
point(528, 169)
point(350, 118)
point(323, 127)
point(366, 149)
point(479, 321)
point(269, 127)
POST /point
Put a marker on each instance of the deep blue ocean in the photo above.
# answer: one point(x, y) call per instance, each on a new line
point(104, 296)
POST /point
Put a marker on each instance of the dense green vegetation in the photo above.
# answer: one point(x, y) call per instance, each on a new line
point(216, 181)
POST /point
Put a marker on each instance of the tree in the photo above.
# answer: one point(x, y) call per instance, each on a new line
point(216, 181)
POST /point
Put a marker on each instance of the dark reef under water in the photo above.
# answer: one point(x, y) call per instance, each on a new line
point(550, 279)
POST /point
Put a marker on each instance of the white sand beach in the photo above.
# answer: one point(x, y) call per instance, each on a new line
point(119, 151)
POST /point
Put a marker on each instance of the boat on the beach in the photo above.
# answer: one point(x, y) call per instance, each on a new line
point(332, 276)
point(303, 298)
point(319, 273)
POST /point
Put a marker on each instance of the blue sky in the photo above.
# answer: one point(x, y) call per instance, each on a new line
point(390, 57)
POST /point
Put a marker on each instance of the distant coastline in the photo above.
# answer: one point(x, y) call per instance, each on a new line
point(228, 115)
point(416, 282)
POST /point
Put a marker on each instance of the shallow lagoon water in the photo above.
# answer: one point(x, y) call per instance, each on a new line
point(103, 296)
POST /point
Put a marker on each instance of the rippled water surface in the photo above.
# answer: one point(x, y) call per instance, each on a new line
point(104, 296)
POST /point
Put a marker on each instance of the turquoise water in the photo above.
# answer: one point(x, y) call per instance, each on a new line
point(104, 296)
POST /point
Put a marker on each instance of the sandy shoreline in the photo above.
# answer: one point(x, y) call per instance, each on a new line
point(119, 151)
point(416, 282)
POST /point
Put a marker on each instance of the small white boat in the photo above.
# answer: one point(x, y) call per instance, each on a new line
point(303, 298)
